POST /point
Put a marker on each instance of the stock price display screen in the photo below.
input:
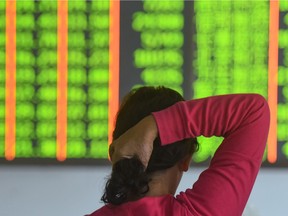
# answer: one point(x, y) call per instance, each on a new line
point(37, 76)
point(199, 48)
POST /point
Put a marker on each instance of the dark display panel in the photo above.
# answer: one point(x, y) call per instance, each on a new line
point(199, 48)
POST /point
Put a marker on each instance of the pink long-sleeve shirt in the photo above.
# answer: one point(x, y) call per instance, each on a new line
point(224, 187)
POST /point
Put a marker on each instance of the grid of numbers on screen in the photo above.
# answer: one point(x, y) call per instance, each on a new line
point(88, 73)
point(231, 53)
point(36, 77)
point(283, 81)
point(232, 47)
point(160, 56)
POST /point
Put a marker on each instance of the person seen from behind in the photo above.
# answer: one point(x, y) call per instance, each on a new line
point(154, 139)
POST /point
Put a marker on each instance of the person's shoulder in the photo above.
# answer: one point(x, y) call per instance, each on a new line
point(101, 211)
point(108, 210)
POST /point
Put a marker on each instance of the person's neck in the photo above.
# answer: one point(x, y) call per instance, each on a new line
point(164, 182)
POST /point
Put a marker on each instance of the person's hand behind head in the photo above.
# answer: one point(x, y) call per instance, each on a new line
point(137, 141)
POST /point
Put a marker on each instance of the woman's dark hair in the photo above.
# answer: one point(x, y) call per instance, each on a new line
point(129, 179)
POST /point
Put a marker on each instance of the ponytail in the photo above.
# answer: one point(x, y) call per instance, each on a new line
point(128, 182)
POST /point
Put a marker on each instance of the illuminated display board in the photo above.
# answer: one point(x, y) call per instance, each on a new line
point(88, 70)
point(36, 75)
point(37, 80)
point(283, 82)
point(198, 48)
point(157, 46)
point(231, 40)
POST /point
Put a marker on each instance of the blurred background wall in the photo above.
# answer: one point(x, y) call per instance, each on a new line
point(75, 191)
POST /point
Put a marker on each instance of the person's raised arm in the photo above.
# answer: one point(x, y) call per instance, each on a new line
point(243, 121)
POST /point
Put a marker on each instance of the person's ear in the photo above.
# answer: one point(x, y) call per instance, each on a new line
point(185, 164)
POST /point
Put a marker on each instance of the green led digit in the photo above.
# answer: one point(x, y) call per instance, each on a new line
point(2, 112)
point(48, 21)
point(77, 21)
point(98, 111)
point(46, 76)
point(100, 6)
point(2, 49)
point(155, 58)
point(24, 130)
point(47, 148)
point(76, 94)
point(26, 75)
point(77, 77)
point(46, 110)
point(75, 6)
point(98, 76)
point(27, 22)
point(99, 147)
point(25, 110)
point(158, 39)
point(282, 130)
point(100, 21)
point(98, 94)
point(2, 6)
point(48, 39)
point(163, 6)
point(47, 57)
point(286, 19)
point(285, 149)
point(77, 58)
point(100, 38)
point(283, 5)
point(76, 111)
point(285, 93)
point(76, 129)
point(282, 78)
point(25, 58)
point(155, 77)
point(145, 21)
point(98, 129)
point(24, 148)
point(48, 6)
point(25, 6)
point(76, 39)
point(46, 129)
point(99, 57)
point(47, 93)
point(76, 148)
